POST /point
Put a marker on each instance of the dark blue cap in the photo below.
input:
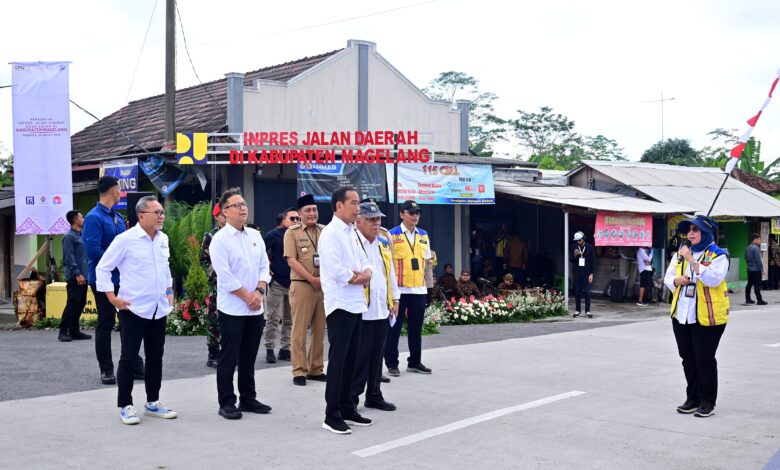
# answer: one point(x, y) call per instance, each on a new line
point(704, 223)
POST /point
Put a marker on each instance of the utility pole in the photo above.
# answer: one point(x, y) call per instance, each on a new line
point(170, 75)
point(662, 100)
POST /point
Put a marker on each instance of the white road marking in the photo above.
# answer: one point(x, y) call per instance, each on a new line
point(776, 345)
point(377, 449)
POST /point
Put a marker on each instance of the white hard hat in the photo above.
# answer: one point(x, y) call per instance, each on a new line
point(578, 236)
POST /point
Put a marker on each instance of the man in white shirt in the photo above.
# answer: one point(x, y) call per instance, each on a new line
point(344, 271)
point(383, 298)
point(239, 258)
point(144, 299)
point(644, 263)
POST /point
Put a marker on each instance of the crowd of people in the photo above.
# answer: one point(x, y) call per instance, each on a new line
point(353, 275)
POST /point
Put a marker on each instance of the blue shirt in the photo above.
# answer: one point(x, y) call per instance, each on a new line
point(74, 256)
point(101, 225)
point(274, 242)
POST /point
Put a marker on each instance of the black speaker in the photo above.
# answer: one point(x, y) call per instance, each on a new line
point(617, 290)
point(132, 200)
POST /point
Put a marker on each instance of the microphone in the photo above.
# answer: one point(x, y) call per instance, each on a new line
point(687, 243)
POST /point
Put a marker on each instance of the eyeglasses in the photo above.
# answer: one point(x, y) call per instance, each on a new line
point(240, 205)
point(294, 219)
point(157, 213)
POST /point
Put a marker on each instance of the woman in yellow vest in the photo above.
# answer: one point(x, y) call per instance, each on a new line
point(700, 311)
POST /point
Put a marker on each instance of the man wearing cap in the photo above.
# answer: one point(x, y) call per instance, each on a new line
point(212, 338)
point(301, 249)
point(383, 296)
point(411, 250)
point(700, 311)
point(278, 312)
point(584, 261)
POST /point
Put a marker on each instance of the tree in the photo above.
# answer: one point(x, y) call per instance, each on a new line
point(601, 148)
point(545, 133)
point(485, 127)
point(672, 152)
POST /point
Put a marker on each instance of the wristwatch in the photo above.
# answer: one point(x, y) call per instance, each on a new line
point(261, 290)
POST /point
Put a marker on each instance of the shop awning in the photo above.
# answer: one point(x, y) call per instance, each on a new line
point(586, 199)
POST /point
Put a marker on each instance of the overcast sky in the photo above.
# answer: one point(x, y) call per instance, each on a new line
point(597, 62)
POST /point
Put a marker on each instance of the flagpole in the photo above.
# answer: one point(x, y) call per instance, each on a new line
point(718, 195)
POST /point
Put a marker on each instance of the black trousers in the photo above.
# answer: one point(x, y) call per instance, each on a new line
point(697, 345)
point(368, 370)
point(77, 299)
point(105, 325)
point(344, 330)
point(581, 289)
point(239, 341)
point(414, 306)
point(152, 332)
point(754, 281)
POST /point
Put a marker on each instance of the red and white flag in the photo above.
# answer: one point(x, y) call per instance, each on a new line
point(736, 152)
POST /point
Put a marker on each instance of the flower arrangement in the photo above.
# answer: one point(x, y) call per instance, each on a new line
point(188, 318)
point(517, 306)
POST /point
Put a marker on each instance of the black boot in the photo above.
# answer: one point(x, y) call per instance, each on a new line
point(270, 357)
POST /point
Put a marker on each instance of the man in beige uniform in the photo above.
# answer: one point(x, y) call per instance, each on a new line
point(306, 300)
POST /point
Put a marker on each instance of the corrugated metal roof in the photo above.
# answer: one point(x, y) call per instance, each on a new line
point(691, 186)
point(587, 199)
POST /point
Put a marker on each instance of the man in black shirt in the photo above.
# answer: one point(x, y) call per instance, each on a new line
point(279, 291)
point(584, 261)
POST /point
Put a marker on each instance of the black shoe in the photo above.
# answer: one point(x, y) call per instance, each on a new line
point(107, 378)
point(393, 371)
point(230, 412)
point(380, 405)
point(419, 368)
point(64, 337)
point(254, 406)
point(748, 301)
point(761, 302)
point(284, 355)
point(704, 410)
point(270, 357)
point(299, 380)
point(357, 420)
point(336, 426)
point(688, 407)
point(212, 362)
point(77, 335)
point(384, 380)
point(318, 378)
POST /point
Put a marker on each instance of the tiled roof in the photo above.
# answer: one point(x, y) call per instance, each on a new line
point(756, 182)
point(196, 111)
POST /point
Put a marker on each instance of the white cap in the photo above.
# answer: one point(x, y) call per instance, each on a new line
point(578, 236)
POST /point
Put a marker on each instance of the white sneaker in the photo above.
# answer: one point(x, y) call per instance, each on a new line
point(588, 314)
point(128, 415)
point(159, 410)
point(641, 304)
point(576, 314)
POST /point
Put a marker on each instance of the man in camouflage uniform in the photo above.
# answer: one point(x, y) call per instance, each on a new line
point(212, 339)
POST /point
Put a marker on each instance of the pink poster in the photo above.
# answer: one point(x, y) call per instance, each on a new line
point(623, 229)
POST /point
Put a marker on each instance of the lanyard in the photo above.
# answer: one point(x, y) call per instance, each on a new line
point(690, 266)
point(313, 242)
point(413, 242)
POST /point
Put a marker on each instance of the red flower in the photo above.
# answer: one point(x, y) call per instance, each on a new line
point(471, 298)
point(197, 307)
point(462, 300)
point(186, 315)
point(208, 301)
point(453, 300)
point(187, 304)
point(449, 308)
point(500, 297)
point(509, 305)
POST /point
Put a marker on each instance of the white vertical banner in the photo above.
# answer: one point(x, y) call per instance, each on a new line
point(43, 186)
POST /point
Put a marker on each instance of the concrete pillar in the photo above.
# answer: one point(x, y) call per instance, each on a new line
point(463, 107)
point(235, 102)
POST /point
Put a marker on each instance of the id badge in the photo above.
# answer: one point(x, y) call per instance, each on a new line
point(690, 290)
point(316, 260)
point(415, 264)
point(582, 262)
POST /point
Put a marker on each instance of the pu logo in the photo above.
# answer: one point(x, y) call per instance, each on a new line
point(191, 148)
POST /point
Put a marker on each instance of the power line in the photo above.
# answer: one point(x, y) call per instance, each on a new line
point(143, 44)
point(186, 49)
point(117, 131)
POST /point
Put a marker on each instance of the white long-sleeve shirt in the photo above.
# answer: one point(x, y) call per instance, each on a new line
point(377, 308)
point(240, 260)
point(711, 276)
point(146, 275)
point(644, 260)
point(340, 256)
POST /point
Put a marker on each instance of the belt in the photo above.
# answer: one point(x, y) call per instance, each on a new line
point(300, 280)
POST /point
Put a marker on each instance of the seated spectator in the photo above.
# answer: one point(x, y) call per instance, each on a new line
point(447, 282)
point(466, 287)
point(508, 284)
point(488, 272)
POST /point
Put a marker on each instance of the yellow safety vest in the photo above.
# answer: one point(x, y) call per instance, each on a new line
point(404, 251)
point(387, 260)
point(712, 303)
